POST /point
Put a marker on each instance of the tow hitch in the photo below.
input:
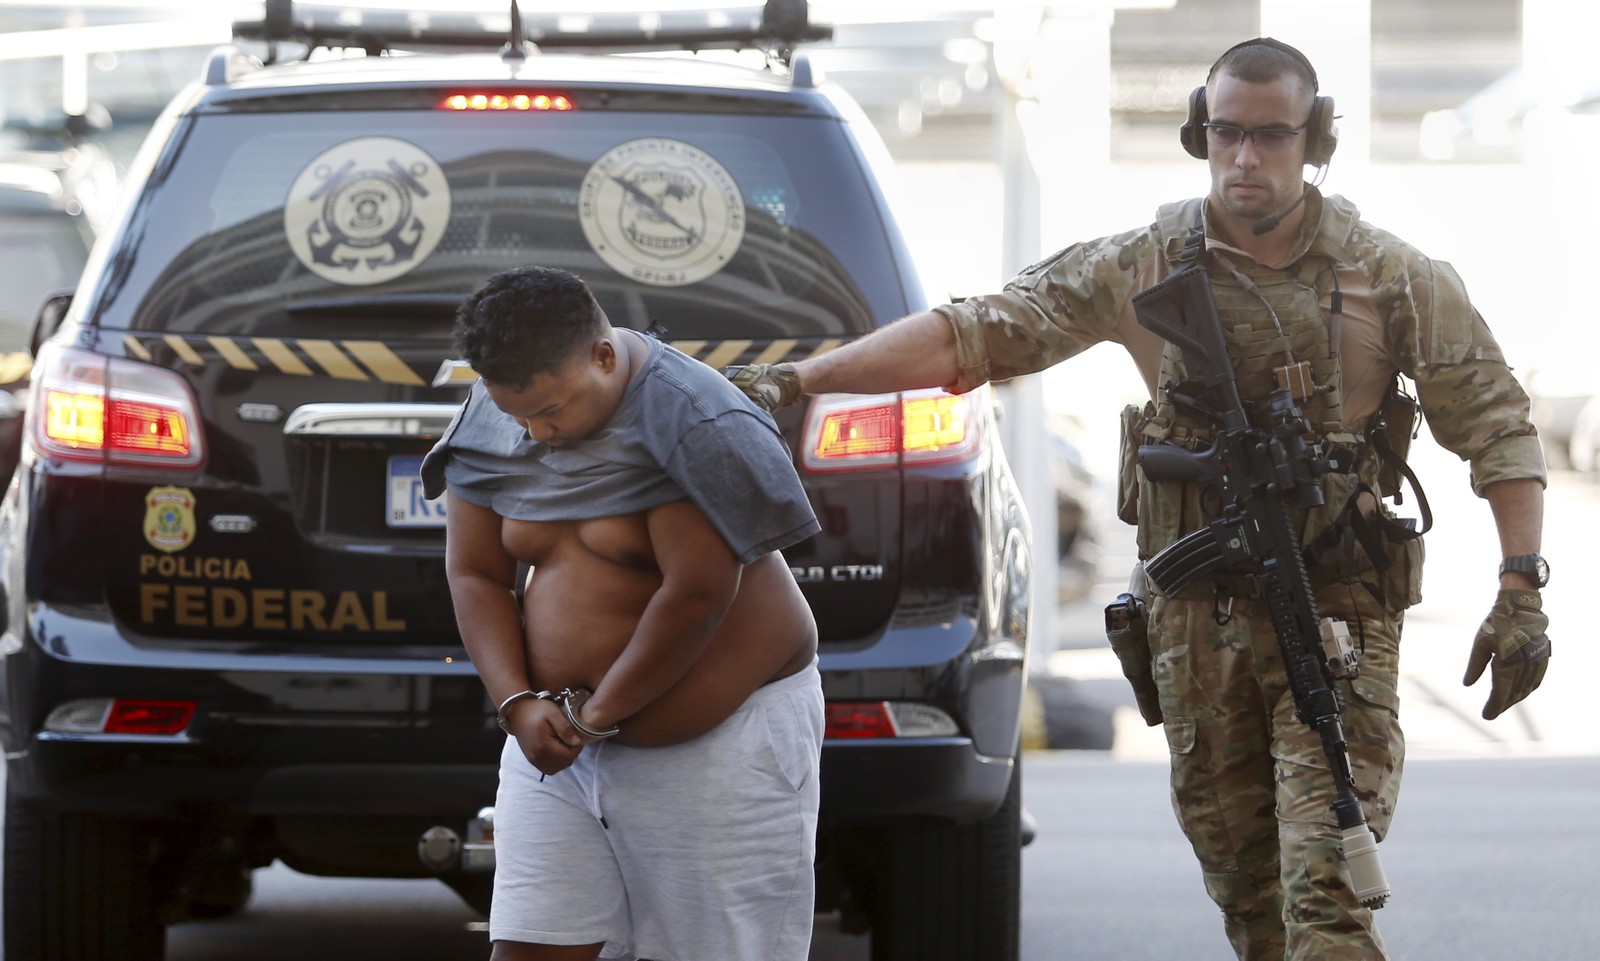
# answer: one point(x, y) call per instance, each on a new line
point(442, 849)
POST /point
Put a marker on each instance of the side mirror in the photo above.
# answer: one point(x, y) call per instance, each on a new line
point(48, 321)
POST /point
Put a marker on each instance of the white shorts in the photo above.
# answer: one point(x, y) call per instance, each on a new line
point(699, 851)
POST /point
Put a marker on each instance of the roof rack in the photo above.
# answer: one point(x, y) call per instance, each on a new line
point(777, 26)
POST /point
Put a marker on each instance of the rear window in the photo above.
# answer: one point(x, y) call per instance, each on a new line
point(711, 226)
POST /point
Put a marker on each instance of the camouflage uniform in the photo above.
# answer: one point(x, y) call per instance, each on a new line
point(1250, 783)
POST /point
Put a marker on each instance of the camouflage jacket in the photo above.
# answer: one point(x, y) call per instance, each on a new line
point(1401, 312)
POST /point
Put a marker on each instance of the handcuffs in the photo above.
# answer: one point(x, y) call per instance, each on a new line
point(571, 700)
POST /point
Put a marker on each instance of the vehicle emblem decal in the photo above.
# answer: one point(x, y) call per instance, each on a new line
point(367, 211)
point(169, 518)
point(661, 212)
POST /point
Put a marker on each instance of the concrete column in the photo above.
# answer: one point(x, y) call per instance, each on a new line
point(1336, 35)
point(1023, 399)
point(1560, 145)
point(1055, 137)
point(74, 67)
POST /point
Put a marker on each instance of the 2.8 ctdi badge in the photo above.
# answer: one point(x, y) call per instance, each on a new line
point(169, 518)
point(661, 211)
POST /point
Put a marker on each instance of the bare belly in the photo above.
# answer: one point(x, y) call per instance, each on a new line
point(590, 584)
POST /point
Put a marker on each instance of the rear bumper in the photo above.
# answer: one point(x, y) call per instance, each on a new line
point(392, 737)
point(161, 780)
point(861, 780)
point(871, 779)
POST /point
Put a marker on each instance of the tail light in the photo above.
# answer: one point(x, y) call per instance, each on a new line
point(121, 716)
point(88, 407)
point(846, 432)
point(860, 719)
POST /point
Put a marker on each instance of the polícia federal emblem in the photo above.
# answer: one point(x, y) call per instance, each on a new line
point(169, 518)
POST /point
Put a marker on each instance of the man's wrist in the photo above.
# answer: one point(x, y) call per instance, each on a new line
point(503, 718)
point(1532, 570)
point(1511, 581)
point(572, 701)
point(800, 377)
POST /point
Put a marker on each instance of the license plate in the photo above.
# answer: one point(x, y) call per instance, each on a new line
point(406, 505)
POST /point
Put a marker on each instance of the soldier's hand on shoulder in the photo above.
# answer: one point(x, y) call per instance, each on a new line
point(771, 386)
point(1513, 639)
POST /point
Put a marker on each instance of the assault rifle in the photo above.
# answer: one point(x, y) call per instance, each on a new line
point(1261, 473)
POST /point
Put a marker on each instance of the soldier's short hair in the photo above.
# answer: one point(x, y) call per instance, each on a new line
point(1263, 62)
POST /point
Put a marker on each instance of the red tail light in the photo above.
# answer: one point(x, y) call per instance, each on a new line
point(148, 717)
point(519, 101)
point(88, 407)
point(872, 432)
point(852, 720)
point(131, 716)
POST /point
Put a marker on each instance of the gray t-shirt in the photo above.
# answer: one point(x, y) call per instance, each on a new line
point(681, 431)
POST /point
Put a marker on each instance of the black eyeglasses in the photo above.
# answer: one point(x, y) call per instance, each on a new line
point(1224, 136)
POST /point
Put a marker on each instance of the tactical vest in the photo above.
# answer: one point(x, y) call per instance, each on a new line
point(1261, 339)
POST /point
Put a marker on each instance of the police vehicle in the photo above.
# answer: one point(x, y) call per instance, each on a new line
point(225, 632)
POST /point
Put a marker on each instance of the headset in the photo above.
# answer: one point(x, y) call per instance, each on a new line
point(1322, 137)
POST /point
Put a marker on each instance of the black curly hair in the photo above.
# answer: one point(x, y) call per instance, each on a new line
point(525, 321)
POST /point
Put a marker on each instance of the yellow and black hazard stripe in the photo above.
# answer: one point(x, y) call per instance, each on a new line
point(373, 360)
point(298, 357)
point(722, 353)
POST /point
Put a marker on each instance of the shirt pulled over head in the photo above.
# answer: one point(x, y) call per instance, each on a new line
point(681, 431)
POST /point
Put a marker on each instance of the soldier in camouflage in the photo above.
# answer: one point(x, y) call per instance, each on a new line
point(1299, 279)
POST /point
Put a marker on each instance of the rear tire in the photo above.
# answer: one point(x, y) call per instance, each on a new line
point(78, 888)
point(951, 892)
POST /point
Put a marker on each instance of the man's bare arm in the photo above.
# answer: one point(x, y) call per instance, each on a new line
point(699, 580)
point(482, 577)
point(482, 580)
point(915, 351)
point(1518, 507)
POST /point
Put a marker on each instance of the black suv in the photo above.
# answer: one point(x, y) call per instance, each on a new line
point(226, 636)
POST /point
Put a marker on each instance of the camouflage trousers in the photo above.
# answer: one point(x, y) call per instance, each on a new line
point(1250, 782)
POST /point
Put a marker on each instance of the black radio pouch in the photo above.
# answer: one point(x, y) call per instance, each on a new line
point(1393, 427)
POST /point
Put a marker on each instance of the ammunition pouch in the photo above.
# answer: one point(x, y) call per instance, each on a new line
point(1380, 551)
point(1133, 420)
point(1401, 583)
point(1167, 509)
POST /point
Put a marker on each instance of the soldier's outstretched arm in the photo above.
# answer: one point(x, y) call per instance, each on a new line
point(915, 351)
point(918, 350)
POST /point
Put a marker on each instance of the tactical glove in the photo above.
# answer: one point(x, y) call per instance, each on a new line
point(771, 386)
point(1513, 635)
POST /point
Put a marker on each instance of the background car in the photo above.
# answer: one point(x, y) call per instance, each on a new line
point(1583, 448)
point(1079, 496)
point(56, 191)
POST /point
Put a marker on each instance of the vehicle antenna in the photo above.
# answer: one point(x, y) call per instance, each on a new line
point(516, 47)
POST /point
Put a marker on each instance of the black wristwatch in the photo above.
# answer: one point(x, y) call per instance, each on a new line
point(1532, 565)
